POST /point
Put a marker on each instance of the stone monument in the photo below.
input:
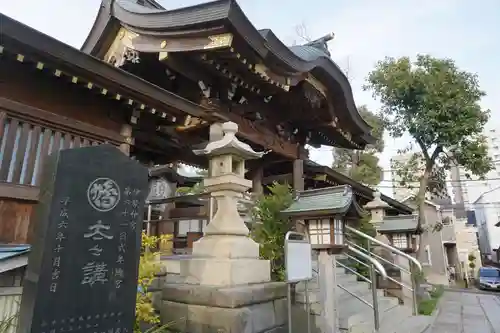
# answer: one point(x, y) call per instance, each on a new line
point(82, 268)
point(226, 285)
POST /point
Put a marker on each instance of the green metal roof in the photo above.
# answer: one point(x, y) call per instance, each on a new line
point(398, 223)
point(323, 201)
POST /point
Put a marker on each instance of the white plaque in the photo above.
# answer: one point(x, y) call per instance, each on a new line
point(298, 260)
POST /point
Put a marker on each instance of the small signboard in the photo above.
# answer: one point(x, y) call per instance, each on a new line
point(298, 257)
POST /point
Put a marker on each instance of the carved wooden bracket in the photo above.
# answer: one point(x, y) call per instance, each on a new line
point(122, 50)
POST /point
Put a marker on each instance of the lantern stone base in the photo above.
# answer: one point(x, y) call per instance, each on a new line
point(226, 247)
point(225, 272)
point(257, 308)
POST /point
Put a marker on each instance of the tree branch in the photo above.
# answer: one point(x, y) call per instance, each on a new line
point(435, 154)
point(424, 150)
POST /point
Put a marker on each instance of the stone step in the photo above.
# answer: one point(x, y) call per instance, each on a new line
point(356, 317)
point(352, 315)
point(355, 287)
point(396, 320)
point(359, 290)
point(346, 300)
point(410, 324)
point(342, 279)
point(391, 317)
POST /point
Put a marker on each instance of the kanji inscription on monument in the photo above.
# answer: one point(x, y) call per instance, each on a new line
point(82, 269)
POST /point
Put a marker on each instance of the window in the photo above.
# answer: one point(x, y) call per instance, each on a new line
point(319, 231)
point(400, 241)
point(428, 254)
point(338, 231)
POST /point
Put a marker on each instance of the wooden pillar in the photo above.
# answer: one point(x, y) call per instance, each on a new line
point(298, 182)
point(126, 132)
point(298, 169)
point(257, 177)
point(298, 175)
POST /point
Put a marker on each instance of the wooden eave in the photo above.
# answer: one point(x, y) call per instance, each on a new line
point(28, 42)
point(365, 191)
point(225, 16)
point(316, 172)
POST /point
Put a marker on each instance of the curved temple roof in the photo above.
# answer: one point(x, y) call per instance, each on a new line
point(146, 17)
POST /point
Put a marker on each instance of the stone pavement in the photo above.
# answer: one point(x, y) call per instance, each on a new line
point(467, 312)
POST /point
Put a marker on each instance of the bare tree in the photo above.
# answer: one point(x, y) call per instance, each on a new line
point(302, 32)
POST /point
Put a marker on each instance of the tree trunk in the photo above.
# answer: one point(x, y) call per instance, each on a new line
point(354, 162)
point(420, 199)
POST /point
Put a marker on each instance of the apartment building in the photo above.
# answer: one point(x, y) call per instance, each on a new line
point(466, 188)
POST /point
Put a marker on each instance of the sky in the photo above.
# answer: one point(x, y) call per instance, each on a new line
point(365, 31)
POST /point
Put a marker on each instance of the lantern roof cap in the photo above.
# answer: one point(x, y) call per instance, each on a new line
point(229, 145)
point(323, 201)
point(376, 202)
point(399, 223)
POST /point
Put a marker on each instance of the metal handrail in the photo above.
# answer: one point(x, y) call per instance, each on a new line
point(388, 247)
point(387, 261)
point(374, 265)
point(355, 296)
point(396, 251)
point(354, 272)
point(379, 257)
point(348, 256)
point(378, 266)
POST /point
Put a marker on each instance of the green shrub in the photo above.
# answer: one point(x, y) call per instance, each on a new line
point(272, 226)
point(426, 307)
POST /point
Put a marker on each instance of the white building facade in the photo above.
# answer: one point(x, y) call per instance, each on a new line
point(487, 210)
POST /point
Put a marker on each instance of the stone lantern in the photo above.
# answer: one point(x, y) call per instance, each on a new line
point(401, 231)
point(226, 236)
point(225, 286)
point(377, 208)
point(325, 212)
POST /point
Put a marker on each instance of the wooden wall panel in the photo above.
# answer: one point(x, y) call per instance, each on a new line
point(69, 116)
point(15, 221)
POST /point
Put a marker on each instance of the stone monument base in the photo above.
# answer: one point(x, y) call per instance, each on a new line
point(256, 308)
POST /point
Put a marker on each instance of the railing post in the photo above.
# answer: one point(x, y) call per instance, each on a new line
point(415, 287)
point(373, 278)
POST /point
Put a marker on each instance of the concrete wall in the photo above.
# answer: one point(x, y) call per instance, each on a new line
point(432, 256)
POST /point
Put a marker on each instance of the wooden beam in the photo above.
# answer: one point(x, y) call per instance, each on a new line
point(57, 122)
point(18, 192)
point(287, 177)
point(186, 67)
point(188, 213)
point(264, 137)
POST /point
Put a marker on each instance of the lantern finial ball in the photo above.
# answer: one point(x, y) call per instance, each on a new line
point(230, 127)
